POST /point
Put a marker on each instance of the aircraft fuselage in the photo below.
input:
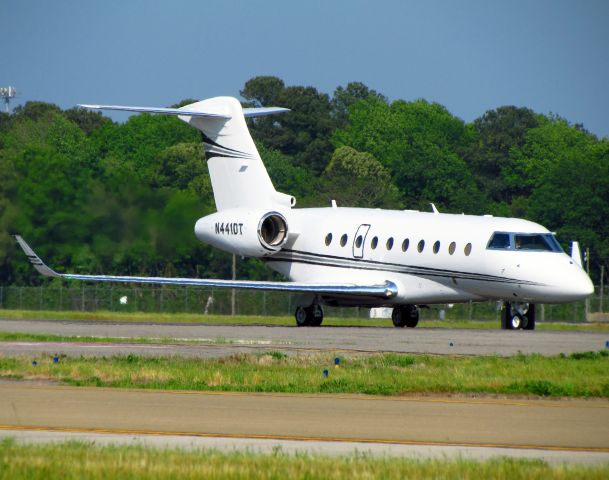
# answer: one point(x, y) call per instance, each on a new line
point(431, 257)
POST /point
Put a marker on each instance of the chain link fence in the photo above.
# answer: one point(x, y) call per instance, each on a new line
point(208, 301)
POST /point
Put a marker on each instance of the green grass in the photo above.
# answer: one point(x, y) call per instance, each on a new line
point(76, 460)
point(191, 318)
point(576, 375)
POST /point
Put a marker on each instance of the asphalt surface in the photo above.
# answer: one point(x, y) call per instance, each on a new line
point(574, 430)
point(222, 340)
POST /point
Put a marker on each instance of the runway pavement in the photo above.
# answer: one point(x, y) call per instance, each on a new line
point(573, 430)
point(222, 340)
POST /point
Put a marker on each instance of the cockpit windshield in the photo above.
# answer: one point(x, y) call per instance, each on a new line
point(542, 242)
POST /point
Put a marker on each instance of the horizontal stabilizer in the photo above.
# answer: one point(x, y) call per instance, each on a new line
point(165, 111)
point(261, 111)
point(385, 290)
point(247, 112)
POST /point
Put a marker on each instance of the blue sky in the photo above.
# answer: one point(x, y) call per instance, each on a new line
point(471, 56)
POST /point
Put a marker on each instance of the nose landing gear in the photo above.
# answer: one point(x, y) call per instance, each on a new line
point(310, 316)
point(518, 315)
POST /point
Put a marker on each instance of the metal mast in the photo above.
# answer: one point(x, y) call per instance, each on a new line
point(7, 93)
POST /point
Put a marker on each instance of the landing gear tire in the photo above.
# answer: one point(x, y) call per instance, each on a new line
point(516, 316)
point(530, 324)
point(311, 316)
point(302, 319)
point(317, 315)
point(517, 321)
point(405, 316)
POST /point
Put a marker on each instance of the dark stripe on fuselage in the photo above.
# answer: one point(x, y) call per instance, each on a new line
point(311, 258)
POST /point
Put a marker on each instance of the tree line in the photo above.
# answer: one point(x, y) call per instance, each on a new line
point(93, 195)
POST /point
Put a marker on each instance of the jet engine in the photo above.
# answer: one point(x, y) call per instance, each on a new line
point(251, 233)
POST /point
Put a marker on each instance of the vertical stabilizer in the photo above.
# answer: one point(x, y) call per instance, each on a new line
point(238, 176)
point(237, 173)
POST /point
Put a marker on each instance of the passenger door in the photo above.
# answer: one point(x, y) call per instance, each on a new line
point(359, 240)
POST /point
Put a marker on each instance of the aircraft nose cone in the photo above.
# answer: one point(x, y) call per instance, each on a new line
point(580, 286)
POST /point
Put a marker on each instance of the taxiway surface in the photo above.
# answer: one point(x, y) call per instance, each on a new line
point(575, 430)
point(222, 340)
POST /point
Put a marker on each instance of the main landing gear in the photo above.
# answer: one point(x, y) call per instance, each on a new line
point(405, 316)
point(518, 315)
point(311, 316)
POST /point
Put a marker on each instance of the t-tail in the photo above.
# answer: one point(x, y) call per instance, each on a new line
point(238, 176)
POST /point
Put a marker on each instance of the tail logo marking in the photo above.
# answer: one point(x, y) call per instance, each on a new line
point(214, 149)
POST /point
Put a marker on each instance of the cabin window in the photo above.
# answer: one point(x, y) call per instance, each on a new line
point(343, 240)
point(405, 244)
point(468, 249)
point(389, 243)
point(328, 239)
point(374, 242)
point(421, 246)
point(436, 247)
point(358, 241)
point(452, 247)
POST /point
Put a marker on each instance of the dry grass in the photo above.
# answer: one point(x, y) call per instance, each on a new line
point(83, 460)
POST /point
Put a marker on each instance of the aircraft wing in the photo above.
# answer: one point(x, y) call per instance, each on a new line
point(385, 290)
point(185, 111)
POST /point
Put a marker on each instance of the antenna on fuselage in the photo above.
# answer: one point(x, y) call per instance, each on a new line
point(434, 209)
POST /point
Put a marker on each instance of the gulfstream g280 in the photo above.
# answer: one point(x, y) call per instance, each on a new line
point(358, 256)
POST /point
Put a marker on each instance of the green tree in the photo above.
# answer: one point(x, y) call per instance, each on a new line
point(344, 97)
point(357, 179)
point(562, 174)
point(418, 143)
point(263, 91)
point(497, 133)
point(304, 132)
point(87, 120)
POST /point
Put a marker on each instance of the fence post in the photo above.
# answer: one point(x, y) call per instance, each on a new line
point(469, 311)
point(1, 295)
point(232, 292)
point(587, 301)
point(264, 303)
point(20, 298)
point(602, 287)
point(82, 298)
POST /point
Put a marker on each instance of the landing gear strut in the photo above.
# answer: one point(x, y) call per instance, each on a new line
point(405, 316)
point(311, 316)
point(518, 315)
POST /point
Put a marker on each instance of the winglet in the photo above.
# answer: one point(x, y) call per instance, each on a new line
point(35, 259)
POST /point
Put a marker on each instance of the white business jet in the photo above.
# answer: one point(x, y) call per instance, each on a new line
point(358, 256)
